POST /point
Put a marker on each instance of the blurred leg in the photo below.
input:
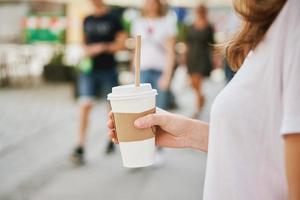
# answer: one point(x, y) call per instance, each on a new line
point(77, 157)
point(162, 97)
point(87, 92)
point(196, 81)
point(107, 79)
point(152, 77)
point(84, 111)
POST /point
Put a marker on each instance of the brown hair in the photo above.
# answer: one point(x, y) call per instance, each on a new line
point(257, 16)
point(162, 8)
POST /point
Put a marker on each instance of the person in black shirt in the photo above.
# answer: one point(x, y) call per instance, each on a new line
point(103, 36)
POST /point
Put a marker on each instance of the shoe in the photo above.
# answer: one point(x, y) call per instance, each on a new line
point(110, 148)
point(77, 157)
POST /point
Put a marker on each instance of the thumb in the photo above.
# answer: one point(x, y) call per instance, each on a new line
point(150, 120)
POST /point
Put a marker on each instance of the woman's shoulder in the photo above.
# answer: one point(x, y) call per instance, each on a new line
point(287, 20)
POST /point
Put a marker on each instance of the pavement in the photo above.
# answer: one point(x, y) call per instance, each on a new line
point(38, 130)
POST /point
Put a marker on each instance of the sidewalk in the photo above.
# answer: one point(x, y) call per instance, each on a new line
point(38, 131)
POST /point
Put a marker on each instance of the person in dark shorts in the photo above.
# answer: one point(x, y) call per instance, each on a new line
point(103, 36)
point(199, 53)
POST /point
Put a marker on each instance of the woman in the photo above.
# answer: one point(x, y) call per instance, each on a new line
point(199, 62)
point(253, 139)
point(158, 41)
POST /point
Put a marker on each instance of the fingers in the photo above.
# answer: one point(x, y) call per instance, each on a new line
point(113, 135)
point(111, 125)
point(151, 120)
point(160, 119)
point(111, 115)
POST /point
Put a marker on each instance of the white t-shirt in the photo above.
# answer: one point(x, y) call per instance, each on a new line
point(248, 118)
point(155, 33)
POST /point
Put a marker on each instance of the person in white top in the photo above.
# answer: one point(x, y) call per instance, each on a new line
point(158, 53)
point(253, 139)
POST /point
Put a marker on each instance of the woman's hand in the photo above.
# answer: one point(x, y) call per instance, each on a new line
point(172, 130)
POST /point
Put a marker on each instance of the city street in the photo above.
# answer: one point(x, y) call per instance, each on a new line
point(38, 130)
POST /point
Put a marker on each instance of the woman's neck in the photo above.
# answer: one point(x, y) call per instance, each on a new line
point(201, 23)
point(152, 15)
point(101, 11)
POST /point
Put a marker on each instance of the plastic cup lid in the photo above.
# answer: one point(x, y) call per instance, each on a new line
point(131, 91)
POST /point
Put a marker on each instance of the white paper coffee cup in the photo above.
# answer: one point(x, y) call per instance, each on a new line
point(131, 100)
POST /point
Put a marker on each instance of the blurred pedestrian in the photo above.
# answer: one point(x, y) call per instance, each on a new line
point(253, 139)
point(103, 36)
point(158, 47)
point(158, 51)
point(199, 41)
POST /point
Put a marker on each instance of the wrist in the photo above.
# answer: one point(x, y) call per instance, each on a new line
point(197, 137)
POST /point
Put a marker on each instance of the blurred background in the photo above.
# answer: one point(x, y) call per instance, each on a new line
point(40, 51)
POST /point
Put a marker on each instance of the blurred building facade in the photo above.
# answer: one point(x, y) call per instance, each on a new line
point(33, 32)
